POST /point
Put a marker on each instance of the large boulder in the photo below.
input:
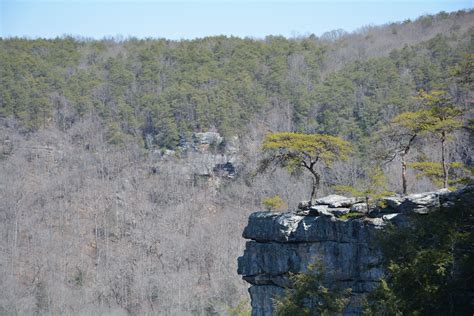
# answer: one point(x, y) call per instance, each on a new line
point(421, 203)
point(331, 199)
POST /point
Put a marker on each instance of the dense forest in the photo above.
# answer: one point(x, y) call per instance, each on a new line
point(101, 207)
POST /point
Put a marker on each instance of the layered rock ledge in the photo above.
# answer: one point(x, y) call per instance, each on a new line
point(283, 243)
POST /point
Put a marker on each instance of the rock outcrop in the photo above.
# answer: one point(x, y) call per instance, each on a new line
point(205, 155)
point(338, 232)
point(288, 242)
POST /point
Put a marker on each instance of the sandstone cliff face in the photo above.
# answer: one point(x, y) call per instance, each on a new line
point(288, 242)
point(281, 243)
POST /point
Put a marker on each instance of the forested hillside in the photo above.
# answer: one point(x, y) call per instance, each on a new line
point(101, 207)
point(165, 90)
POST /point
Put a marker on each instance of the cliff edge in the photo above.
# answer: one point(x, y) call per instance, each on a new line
point(336, 230)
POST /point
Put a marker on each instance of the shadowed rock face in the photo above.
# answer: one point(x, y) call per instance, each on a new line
point(281, 243)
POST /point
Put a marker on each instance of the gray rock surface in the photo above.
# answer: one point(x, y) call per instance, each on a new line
point(332, 199)
point(421, 203)
point(208, 138)
point(261, 298)
point(345, 203)
point(339, 211)
point(286, 242)
point(359, 207)
point(289, 227)
point(393, 201)
point(283, 243)
point(319, 210)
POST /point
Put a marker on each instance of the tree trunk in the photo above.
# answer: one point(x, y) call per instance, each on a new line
point(315, 188)
point(443, 158)
point(404, 163)
point(404, 174)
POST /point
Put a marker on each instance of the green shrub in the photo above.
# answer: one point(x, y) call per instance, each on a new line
point(274, 203)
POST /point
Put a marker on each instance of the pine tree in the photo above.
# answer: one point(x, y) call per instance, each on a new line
point(445, 119)
point(310, 297)
point(403, 132)
point(295, 151)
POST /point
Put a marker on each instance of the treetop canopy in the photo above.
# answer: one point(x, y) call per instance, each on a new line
point(295, 151)
point(307, 146)
point(417, 122)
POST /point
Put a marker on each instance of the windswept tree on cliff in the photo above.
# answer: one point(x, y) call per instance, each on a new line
point(295, 151)
point(445, 119)
point(403, 132)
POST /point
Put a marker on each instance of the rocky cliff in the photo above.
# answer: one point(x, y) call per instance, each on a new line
point(336, 230)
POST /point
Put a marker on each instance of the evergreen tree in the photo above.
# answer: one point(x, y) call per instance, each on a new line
point(445, 119)
point(308, 296)
point(403, 132)
point(295, 152)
